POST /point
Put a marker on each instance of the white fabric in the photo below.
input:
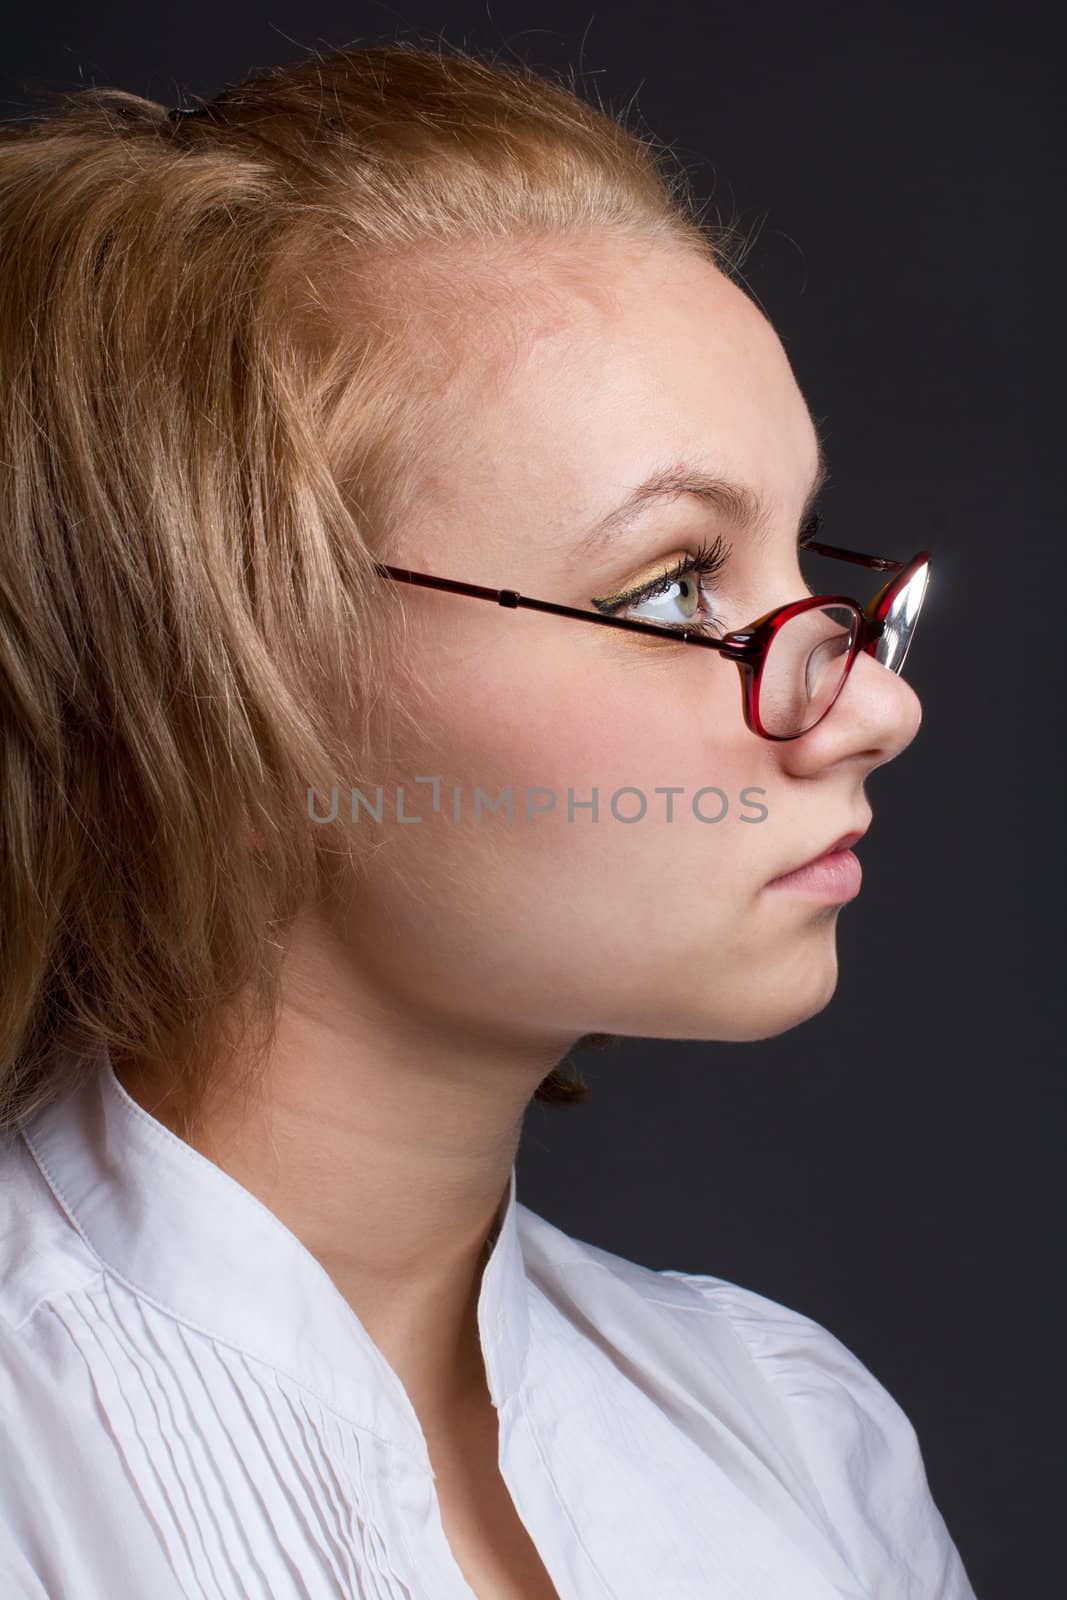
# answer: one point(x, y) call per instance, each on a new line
point(190, 1407)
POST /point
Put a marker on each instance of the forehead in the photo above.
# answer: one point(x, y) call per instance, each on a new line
point(605, 366)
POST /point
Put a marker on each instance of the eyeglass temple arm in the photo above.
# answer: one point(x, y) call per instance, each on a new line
point(512, 599)
point(878, 563)
point(737, 642)
point(509, 597)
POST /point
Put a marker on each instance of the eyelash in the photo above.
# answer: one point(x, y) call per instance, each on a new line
point(809, 530)
point(707, 561)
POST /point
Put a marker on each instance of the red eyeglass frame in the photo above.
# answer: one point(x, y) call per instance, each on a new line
point(747, 647)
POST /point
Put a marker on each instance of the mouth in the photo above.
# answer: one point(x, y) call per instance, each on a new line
point(846, 841)
point(823, 871)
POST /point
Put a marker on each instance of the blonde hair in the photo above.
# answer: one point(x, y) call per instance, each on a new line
point(201, 457)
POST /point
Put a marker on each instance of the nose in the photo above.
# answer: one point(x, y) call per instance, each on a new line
point(876, 715)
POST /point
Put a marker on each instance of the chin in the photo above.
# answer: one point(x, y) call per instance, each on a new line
point(758, 994)
point(764, 1019)
point(794, 1018)
point(782, 1001)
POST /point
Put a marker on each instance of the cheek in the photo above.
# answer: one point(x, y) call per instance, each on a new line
point(647, 926)
point(554, 725)
point(554, 925)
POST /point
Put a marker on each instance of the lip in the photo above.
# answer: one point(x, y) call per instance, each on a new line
point(846, 841)
point(835, 873)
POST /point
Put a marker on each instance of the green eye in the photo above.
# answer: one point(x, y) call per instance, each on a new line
point(682, 584)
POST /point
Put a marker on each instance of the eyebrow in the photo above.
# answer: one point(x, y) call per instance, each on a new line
point(737, 503)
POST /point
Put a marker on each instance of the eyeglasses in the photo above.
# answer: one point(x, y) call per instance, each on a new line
point(794, 661)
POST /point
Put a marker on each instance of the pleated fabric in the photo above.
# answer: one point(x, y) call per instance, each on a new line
point(190, 1408)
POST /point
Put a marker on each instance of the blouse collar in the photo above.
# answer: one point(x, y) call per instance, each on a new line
point(179, 1231)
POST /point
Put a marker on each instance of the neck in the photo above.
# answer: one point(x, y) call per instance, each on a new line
point(386, 1146)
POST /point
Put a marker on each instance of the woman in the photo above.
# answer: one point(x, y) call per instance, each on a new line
point(295, 379)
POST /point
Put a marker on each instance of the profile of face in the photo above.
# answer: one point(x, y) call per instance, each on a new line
point(552, 925)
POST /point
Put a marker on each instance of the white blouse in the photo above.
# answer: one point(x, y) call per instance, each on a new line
point(190, 1407)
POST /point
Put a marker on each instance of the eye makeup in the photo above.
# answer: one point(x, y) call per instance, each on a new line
point(691, 571)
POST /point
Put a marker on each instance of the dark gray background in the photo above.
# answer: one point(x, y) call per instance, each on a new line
point(892, 1167)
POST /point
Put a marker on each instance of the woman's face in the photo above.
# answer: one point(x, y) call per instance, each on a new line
point(552, 925)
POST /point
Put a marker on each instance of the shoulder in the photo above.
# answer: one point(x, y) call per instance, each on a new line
point(783, 1384)
point(797, 1357)
point(858, 1444)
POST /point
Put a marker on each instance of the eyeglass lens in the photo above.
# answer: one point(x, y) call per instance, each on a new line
point(804, 668)
point(808, 659)
point(900, 620)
